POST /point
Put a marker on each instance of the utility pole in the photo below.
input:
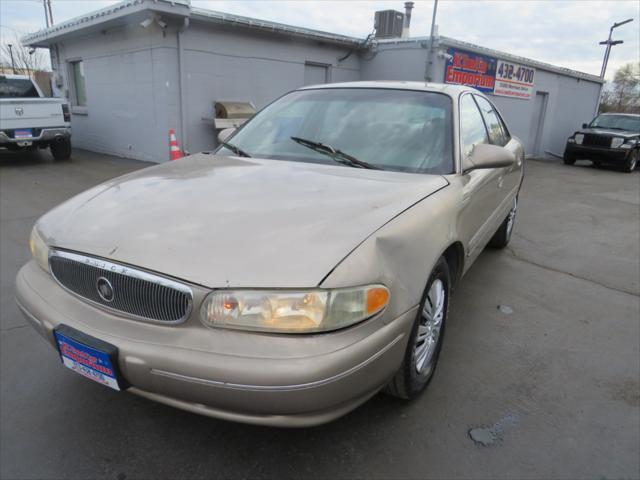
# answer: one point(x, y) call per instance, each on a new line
point(50, 12)
point(13, 65)
point(427, 70)
point(46, 15)
point(609, 43)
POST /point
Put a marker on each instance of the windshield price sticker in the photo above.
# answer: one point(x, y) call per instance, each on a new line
point(513, 80)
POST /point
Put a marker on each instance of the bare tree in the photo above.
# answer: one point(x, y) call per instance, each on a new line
point(27, 60)
point(623, 95)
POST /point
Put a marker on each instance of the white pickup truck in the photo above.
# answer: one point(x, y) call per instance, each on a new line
point(28, 120)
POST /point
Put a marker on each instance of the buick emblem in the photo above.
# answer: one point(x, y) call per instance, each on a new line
point(105, 289)
point(19, 111)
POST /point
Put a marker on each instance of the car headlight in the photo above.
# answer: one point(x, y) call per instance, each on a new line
point(616, 142)
point(39, 249)
point(578, 137)
point(293, 311)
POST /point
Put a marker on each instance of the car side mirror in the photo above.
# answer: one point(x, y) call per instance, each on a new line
point(584, 125)
point(224, 134)
point(488, 156)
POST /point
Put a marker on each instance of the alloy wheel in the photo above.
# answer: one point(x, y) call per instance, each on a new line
point(430, 326)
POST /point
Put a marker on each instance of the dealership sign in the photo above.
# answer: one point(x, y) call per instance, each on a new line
point(488, 74)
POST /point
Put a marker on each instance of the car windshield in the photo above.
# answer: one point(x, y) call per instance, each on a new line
point(400, 130)
point(618, 122)
point(17, 88)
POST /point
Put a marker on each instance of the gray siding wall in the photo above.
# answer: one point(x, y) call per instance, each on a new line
point(570, 101)
point(242, 65)
point(132, 81)
point(132, 91)
point(397, 62)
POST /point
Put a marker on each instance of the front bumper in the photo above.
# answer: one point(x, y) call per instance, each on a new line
point(278, 380)
point(598, 154)
point(45, 135)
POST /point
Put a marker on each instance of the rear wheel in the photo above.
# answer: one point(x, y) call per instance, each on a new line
point(61, 150)
point(568, 159)
point(502, 236)
point(425, 342)
point(632, 162)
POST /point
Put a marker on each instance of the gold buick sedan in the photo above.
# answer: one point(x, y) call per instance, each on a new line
point(289, 276)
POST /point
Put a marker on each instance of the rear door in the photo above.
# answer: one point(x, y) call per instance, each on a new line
point(509, 177)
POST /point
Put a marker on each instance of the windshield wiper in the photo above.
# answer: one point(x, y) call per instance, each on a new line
point(236, 150)
point(337, 155)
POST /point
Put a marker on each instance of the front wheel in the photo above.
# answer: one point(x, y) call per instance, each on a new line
point(425, 341)
point(568, 159)
point(61, 150)
point(632, 162)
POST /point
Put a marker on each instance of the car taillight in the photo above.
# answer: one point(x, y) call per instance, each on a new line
point(66, 112)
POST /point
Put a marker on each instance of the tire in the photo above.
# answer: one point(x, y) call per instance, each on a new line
point(596, 164)
point(502, 236)
point(425, 342)
point(632, 162)
point(61, 150)
point(568, 159)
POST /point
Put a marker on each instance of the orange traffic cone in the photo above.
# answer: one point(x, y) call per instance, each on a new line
point(174, 149)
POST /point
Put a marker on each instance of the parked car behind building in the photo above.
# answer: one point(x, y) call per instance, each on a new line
point(611, 138)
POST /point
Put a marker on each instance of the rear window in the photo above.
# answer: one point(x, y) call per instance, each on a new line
point(17, 88)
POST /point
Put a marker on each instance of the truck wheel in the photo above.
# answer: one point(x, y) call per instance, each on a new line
point(61, 150)
point(425, 342)
point(632, 162)
point(568, 159)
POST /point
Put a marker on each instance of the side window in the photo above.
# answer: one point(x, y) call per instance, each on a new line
point(497, 133)
point(79, 87)
point(472, 129)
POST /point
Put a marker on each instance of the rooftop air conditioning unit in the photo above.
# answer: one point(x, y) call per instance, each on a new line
point(388, 23)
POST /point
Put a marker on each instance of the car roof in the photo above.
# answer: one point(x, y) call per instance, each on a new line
point(451, 90)
point(15, 77)
point(622, 114)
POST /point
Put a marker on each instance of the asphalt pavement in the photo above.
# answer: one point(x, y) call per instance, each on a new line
point(538, 378)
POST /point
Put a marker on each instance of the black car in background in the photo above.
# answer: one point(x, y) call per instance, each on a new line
point(612, 138)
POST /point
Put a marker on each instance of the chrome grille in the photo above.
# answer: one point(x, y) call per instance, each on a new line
point(134, 292)
point(596, 140)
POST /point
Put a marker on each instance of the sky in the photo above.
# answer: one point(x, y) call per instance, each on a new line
point(561, 32)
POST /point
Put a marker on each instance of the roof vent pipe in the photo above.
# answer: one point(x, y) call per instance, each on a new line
point(408, 6)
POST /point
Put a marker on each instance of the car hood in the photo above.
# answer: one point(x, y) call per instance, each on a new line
point(609, 132)
point(235, 222)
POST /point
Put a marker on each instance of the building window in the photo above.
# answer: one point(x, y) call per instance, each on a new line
point(79, 86)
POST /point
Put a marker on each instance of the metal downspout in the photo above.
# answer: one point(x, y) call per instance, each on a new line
point(182, 87)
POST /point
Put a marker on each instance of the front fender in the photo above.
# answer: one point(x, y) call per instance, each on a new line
point(402, 253)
